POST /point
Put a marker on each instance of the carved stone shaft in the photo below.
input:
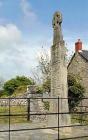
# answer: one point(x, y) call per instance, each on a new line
point(58, 74)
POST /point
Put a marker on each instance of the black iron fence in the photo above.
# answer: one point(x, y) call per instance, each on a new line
point(78, 115)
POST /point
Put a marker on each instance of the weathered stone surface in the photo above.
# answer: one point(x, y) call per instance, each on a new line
point(58, 75)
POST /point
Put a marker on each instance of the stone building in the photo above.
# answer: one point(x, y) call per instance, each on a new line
point(79, 65)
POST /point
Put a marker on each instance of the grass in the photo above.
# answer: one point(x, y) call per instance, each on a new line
point(4, 110)
point(82, 118)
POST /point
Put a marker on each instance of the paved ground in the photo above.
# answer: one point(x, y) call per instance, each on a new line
point(38, 134)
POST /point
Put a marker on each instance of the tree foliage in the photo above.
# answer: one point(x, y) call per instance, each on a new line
point(47, 85)
point(1, 86)
point(75, 91)
point(39, 90)
point(11, 85)
point(1, 82)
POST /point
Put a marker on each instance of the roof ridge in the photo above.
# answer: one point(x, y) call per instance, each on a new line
point(85, 50)
point(84, 54)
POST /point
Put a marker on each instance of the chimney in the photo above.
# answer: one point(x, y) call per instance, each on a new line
point(78, 46)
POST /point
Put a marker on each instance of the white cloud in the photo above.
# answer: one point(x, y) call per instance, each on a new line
point(17, 54)
point(27, 10)
point(9, 34)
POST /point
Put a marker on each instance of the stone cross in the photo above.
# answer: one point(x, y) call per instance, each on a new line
point(57, 20)
point(58, 75)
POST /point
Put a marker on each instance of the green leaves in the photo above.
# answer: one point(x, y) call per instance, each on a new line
point(11, 85)
point(39, 90)
point(47, 85)
point(75, 91)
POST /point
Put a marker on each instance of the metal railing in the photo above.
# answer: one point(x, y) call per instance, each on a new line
point(28, 114)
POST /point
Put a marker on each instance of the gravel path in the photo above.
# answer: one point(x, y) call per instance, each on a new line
point(38, 134)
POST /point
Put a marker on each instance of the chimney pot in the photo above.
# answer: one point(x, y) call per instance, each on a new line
point(78, 46)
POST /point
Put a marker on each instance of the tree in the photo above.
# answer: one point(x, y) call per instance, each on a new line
point(44, 64)
point(42, 72)
point(11, 85)
point(22, 80)
point(75, 91)
point(1, 82)
point(45, 68)
point(1, 86)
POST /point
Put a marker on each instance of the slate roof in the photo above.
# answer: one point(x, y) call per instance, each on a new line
point(84, 54)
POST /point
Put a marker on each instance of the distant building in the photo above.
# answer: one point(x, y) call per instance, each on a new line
point(79, 65)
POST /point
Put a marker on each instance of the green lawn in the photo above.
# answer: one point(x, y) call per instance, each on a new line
point(4, 110)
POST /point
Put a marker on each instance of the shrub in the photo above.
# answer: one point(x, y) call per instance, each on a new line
point(75, 91)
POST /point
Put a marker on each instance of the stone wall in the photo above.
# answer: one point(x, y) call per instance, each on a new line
point(36, 104)
point(13, 102)
point(79, 67)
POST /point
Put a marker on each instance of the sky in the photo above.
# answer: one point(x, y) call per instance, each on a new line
point(26, 27)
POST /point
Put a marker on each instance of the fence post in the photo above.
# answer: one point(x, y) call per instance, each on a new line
point(58, 119)
point(28, 109)
point(9, 118)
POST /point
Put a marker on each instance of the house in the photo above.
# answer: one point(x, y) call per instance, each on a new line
point(79, 65)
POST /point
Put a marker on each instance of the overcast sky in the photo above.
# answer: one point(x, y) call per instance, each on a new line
point(26, 26)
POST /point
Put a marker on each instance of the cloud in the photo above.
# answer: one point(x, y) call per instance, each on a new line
point(18, 54)
point(9, 34)
point(28, 12)
point(1, 3)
